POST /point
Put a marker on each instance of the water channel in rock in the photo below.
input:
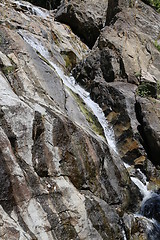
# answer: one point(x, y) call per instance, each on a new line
point(150, 207)
point(70, 82)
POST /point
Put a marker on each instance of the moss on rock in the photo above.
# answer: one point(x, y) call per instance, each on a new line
point(90, 117)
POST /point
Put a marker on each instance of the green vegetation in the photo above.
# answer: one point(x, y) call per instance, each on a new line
point(157, 46)
point(138, 75)
point(143, 90)
point(69, 58)
point(8, 70)
point(90, 117)
point(147, 89)
point(154, 3)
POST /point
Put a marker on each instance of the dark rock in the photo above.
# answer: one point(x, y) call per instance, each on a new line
point(107, 224)
point(86, 18)
point(49, 4)
point(151, 208)
point(6, 192)
point(148, 116)
point(39, 149)
point(125, 47)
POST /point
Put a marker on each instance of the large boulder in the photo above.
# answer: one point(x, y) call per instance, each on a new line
point(148, 114)
point(151, 208)
point(86, 18)
point(123, 57)
point(60, 178)
point(126, 48)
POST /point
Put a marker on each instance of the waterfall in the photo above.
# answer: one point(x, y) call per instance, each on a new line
point(150, 207)
point(124, 235)
point(142, 187)
point(32, 9)
point(141, 184)
point(149, 198)
point(70, 82)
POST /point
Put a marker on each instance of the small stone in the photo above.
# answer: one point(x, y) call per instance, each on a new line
point(5, 60)
point(140, 160)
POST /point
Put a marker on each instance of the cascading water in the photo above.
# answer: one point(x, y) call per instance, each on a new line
point(69, 82)
point(150, 207)
point(32, 9)
point(142, 185)
point(151, 201)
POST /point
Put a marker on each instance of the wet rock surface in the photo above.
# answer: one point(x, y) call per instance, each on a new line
point(60, 177)
point(151, 208)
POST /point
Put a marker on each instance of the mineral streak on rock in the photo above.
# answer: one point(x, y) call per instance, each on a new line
point(59, 177)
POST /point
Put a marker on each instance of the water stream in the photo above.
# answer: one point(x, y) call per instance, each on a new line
point(151, 201)
point(70, 82)
point(142, 187)
point(32, 9)
point(150, 207)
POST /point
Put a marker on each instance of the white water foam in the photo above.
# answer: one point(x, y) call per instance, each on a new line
point(69, 81)
point(142, 187)
point(39, 12)
point(126, 165)
point(124, 235)
point(144, 178)
point(32, 9)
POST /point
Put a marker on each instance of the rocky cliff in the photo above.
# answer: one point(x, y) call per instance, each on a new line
point(79, 120)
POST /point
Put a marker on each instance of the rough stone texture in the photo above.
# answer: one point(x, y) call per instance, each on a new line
point(59, 178)
point(86, 18)
point(125, 50)
point(148, 114)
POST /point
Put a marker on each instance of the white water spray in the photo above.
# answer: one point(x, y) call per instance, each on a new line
point(124, 235)
point(142, 187)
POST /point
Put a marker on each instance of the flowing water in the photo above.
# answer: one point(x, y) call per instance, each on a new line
point(150, 207)
point(70, 82)
point(142, 187)
point(32, 9)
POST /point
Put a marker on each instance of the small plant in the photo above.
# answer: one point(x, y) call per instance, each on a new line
point(158, 86)
point(143, 90)
point(138, 75)
point(157, 45)
point(8, 70)
point(90, 117)
point(153, 3)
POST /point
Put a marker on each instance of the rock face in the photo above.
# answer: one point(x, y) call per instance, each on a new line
point(149, 115)
point(125, 52)
point(60, 176)
point(86, 18)
point(125, 49)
